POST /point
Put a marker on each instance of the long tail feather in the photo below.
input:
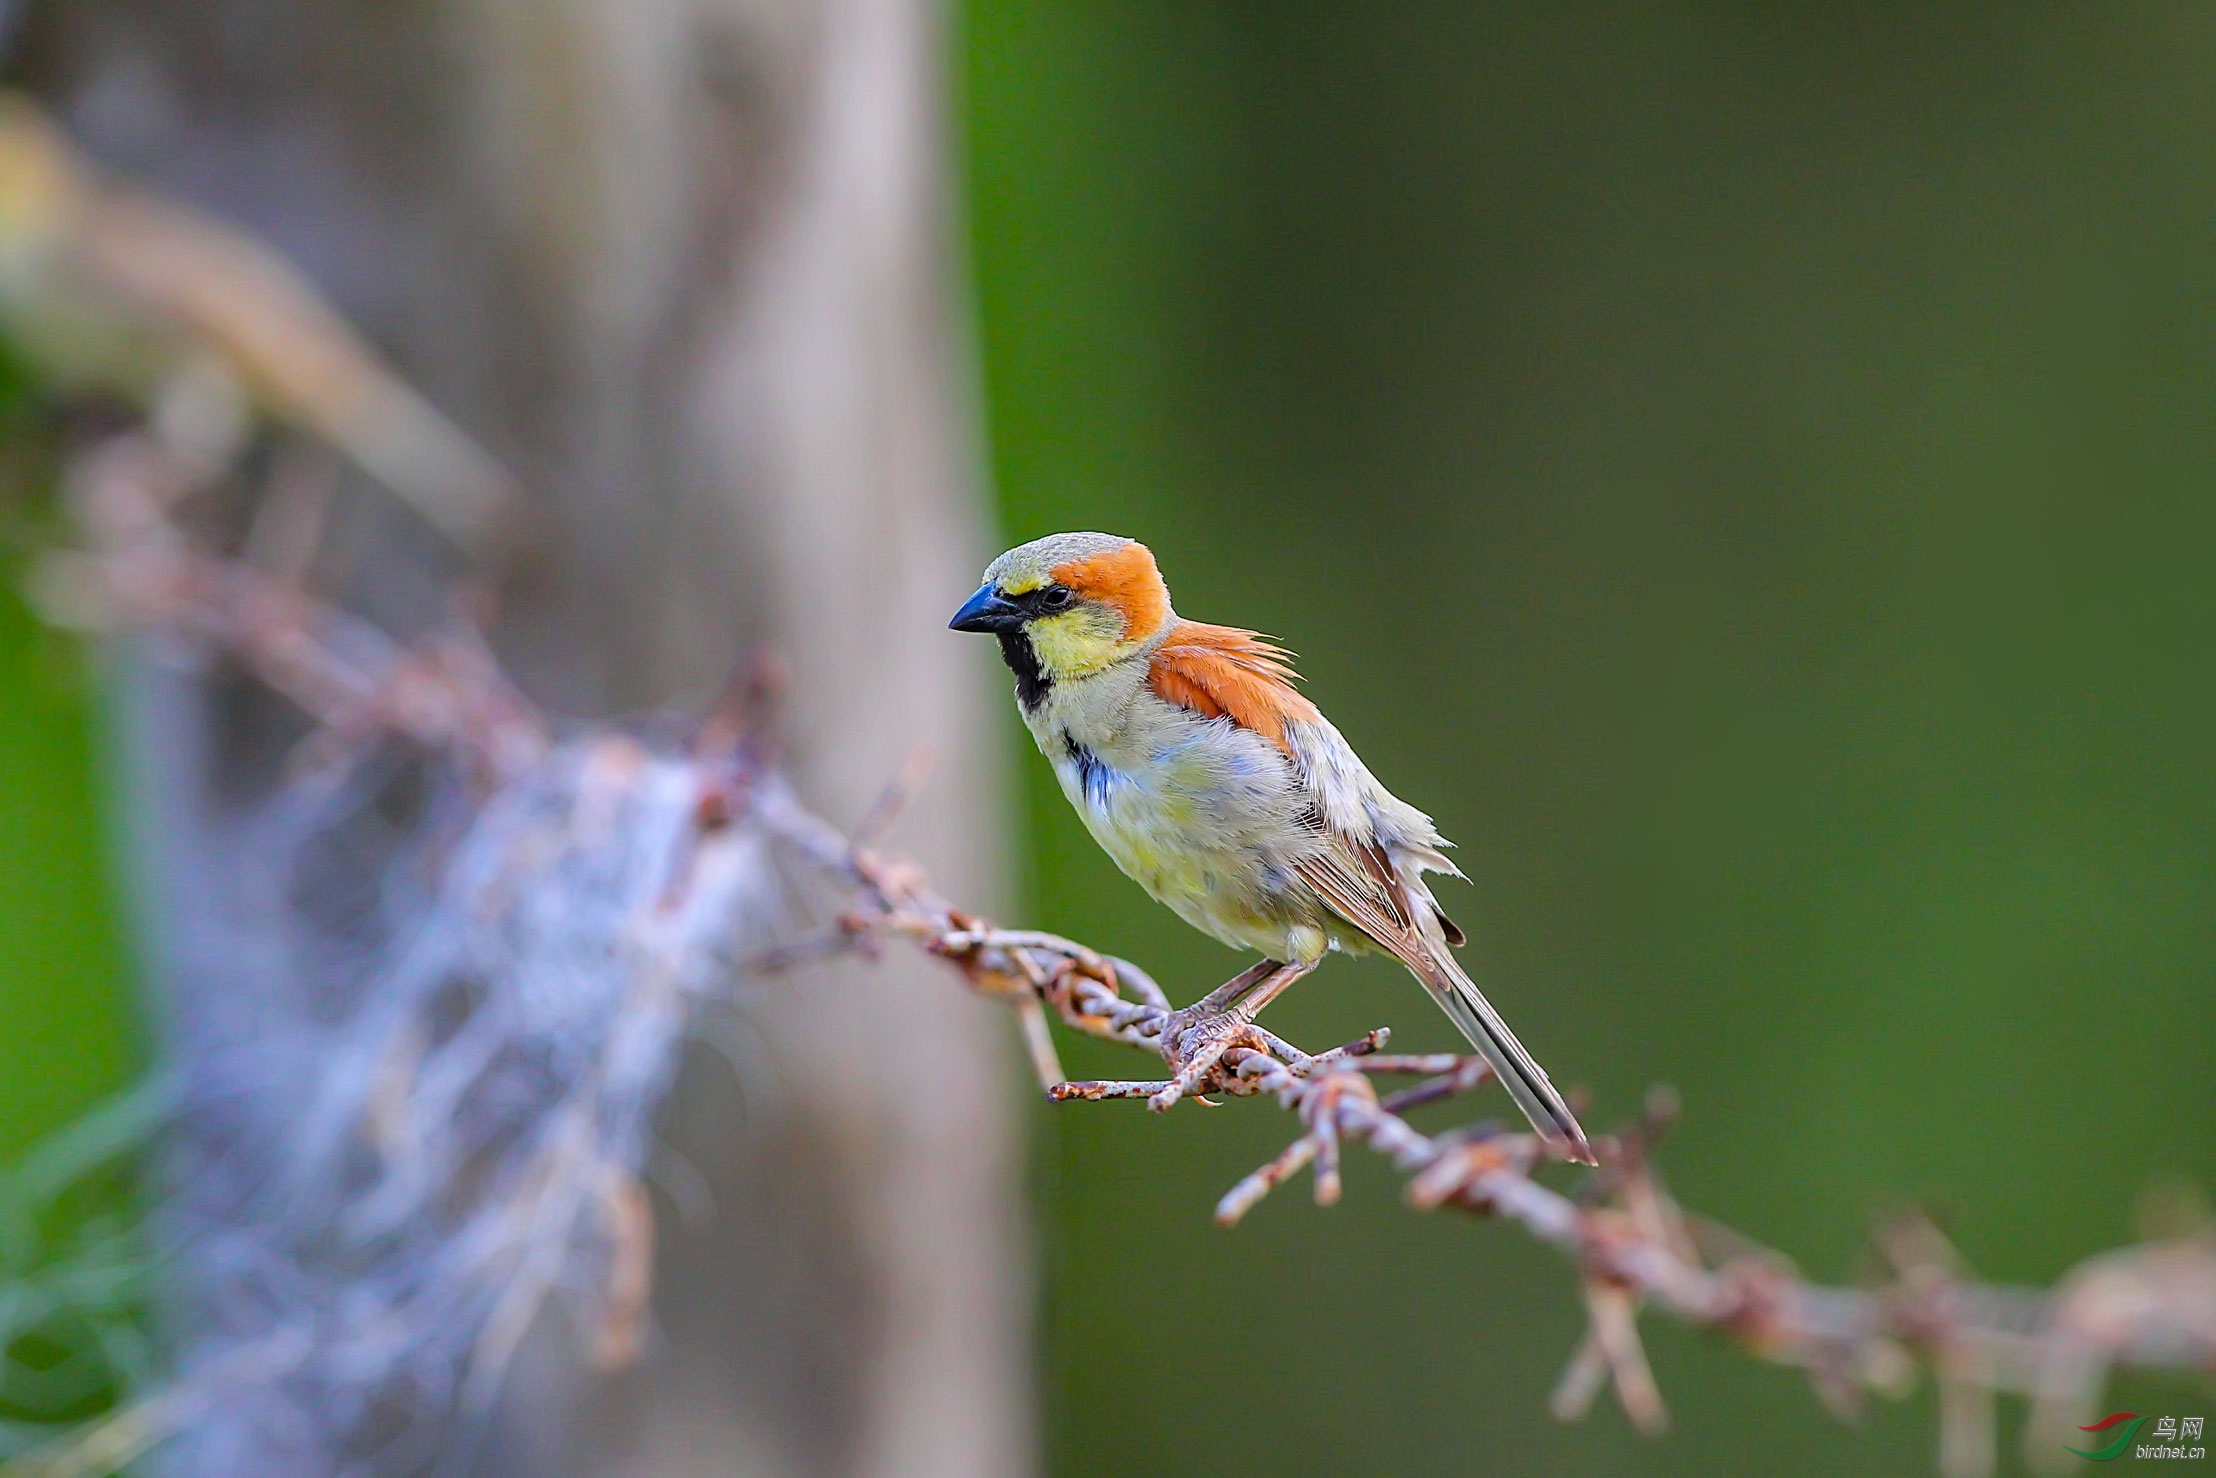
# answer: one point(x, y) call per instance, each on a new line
point(1360, 883)
point(1519, 1071)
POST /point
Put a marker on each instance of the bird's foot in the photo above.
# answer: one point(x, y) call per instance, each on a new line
point(1207, 1042)
point(1204, 1050)
point(1208, 1051)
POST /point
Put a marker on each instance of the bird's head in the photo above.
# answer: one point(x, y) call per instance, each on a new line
point(1068, 605)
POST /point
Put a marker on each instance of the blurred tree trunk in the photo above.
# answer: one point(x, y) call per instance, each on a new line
point(683, 265)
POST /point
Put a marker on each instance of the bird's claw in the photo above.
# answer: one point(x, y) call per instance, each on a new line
point(1204, 1049)
point(1211, 1046)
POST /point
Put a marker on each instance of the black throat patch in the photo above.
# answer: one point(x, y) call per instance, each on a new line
point(1032, 683)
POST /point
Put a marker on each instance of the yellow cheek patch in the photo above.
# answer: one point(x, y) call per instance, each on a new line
point(1074, 643)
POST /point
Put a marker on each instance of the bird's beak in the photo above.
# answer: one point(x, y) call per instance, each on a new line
point(987, 610)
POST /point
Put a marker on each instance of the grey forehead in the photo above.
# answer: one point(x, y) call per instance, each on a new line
point(1041, 555)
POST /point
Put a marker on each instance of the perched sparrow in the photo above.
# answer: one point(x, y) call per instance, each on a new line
point(1224, 793)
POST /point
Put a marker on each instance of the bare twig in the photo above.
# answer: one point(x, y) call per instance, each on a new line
point(115, 285)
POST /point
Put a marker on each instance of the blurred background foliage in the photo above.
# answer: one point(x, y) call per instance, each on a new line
point(73, 1272)
point(1750, 477)
point(65, 1028)
point(1751, 474)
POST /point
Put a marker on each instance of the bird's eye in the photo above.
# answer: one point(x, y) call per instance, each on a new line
point(1057, 598)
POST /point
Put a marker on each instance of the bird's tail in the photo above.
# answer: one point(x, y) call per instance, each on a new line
point(1518, 1070)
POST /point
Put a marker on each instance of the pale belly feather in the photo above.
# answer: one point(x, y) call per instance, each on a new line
point(1207, 825)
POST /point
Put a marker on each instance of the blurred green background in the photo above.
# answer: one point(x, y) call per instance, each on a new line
point(1751, 474)
point(66, 1032)
point(1753, 479)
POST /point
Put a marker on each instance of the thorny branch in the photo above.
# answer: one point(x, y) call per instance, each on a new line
point(564, 1213)
point(1633, 1245)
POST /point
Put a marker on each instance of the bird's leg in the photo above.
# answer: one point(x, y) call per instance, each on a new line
point(1195, 1039)
point(1228, 994)
point(1270, 978)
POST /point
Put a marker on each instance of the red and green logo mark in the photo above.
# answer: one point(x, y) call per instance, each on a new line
point(2129, 1421)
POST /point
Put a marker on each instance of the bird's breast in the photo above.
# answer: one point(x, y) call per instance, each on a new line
point(1204, 816)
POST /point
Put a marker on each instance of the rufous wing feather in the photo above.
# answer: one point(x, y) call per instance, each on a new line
point(1224, 672)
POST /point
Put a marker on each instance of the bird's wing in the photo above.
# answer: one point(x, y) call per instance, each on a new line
point(1354, 876)
point(1224, 672)
point(1228, 673)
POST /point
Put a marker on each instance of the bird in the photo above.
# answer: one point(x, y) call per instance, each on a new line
point(1222, 790)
